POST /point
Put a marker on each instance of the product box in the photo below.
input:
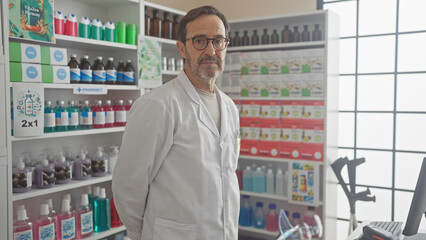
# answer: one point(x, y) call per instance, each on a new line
point(228, 62)
point(250, 86)
point(25, 53)
point(249, 138)
point(291, 62)
point(313, 112)
point(312, 142)
point(56, 74)
point(270, 85)
point(290, 140)
point(313, 60)
point(313, 85)
point(270, 62)
point(25, 72)
point(236, 62)
point(53, 56)
point(250, 63)
point(269, 140)
point(270, 112)
point(250, 111)
point(291, 111)
point(291, 85)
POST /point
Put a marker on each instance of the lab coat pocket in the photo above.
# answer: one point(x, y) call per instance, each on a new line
point(166, 230)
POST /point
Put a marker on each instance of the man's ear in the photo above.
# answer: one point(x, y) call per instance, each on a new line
point(181, 47)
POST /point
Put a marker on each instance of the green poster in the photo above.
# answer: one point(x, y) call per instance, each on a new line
point(149, 62)
point(31, 19)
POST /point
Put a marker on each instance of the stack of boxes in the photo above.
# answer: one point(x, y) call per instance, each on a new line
point(38, 64)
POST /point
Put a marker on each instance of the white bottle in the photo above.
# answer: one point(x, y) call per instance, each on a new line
point(113, 155)
point(248, 179)
point(279, 183)
point(270, 182)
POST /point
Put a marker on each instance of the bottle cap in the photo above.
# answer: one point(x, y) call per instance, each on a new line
point(99, 58)
point(246, 196)
point(49, 203)
point(115, 150)
point(279, 171)
point(259, 204)
point(120, 102)
point(82, 156)
point(84, 200)
point(96, 191)
point(102, 193)
point(85, 20)
point(86, 102)
point(99, 102)
point(89, 189)
point(99, 153)
point(20, 207)
point(73, 55)
point(48, 102)
point(44, 209)
point(71, 102)
point(22, 215)
point(110, 59)
point(110, 25)
point(20, 165)
point(130, 101)
point(71, 17)
point(270, 171)
point(131, 27)
point(67, 196)
point(65, 205)
point(121, 25)
point(107, 102)
point(272, 206)
point(85, 57)
point(59, 15)
point(258, 169)
point(96, 22)
point(61, 102)
point(296, 215)
point(44, 162)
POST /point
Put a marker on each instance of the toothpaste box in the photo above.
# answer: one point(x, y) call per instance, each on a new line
point(312, 142)
point(250, 63)
point(270, 62)
point(313, 60)
point(291, 111)
point(249, 139)
point(53, 56)
point(56, 74)
point(250, 111)
point(290, 140)
point(313, 112)
point(23, 52)
point(270, 112)
point(291, 62)
point(291, 85)
point(250, 86)
point(25, 72)
point(269, 140)
point(270, 85)
point(312, 85)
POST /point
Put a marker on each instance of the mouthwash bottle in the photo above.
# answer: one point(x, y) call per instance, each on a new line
point(86, 116)
point(68, 197)
point(94, 195)
point(73, 117)
point(66, 220)
point(246, 212)
point(23, 227)
point(109, 114)
point(45, 225)
point(101, 212)
point(49, 117)
point(84, 218)
point(61, 115)
point(53, 215)
point(115, 218)
point(98, 115)
point(259, 216)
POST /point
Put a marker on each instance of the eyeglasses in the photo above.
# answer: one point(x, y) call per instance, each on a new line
point(200, 43)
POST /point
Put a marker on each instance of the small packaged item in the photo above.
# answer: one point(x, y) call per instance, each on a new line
point(99, 163)
point(82, 167)
point(45, 174)
point(21, 178)
point(63, 171)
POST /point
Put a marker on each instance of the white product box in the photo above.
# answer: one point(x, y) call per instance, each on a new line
point(250, 63)
point(61, 74)
point(270, 85)
point(271, 62)
point(250, 86)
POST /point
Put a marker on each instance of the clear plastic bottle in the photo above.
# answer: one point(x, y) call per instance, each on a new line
point(265, 36)
point(308, 216)
point(296, 220)
point(255, 38)
point(306, 35)
point(248, 179)
point(74, 69)
point(73, 116)
point(61, 117)
point(45, 175)
point(63, 170)
point(270, 182)
point(66, 221)
point(68, 197)
point(272, 219)
point(316, 34)
point(98, 115)
point(112, 158)
point(86, 116)
point(259, 181)
point(111, 72)
point(21, 178)
point(99, 74)
point(94, 195)
point(275, 38)
point(120, 114)
point(49, 117)
point(84, 217)
point(109, 114)
point(102, 212)
point(120, 72)
point(53, 215)
point(246, 212)
point(23, 227)
point(99, 164)
point(29, 164)
point(45, 225)
point(82, 167)
point(129, 74)
point(286, 35)
point(279, 183)
point(259, 216)
point(86, 75)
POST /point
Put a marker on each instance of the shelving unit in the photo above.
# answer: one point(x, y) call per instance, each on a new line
point(65, 41)
point(280, 46)
point(107, 233)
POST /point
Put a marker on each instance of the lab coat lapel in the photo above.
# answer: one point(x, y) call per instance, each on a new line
point(202, 112)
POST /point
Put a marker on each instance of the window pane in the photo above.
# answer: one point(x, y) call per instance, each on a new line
point(347, 56)
point(377, 169)
point(342, 205)
point(412, 15)
point(369, 20)
point(346, 153)
point(411, 52)
point(346, 129)
point(375, 92)
point(374, 130)
point(342, 229)
point(411, 132)
point(377, 211)
point(347, 15)
point(410, 92)
point(347, 93)
point(402, 206)
point(376, 54)
point(407, 168)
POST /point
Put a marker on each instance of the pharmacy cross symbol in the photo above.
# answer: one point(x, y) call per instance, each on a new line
point(79, 89)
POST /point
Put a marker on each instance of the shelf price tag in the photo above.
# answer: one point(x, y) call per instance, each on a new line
point(89, 90)
point(28, 109)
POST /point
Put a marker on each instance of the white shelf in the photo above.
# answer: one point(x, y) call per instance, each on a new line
point(258, 231)
point(90, 44)
point(71, 133)
point(163, 8)
point(264, 195)
point(170, 73)
point(60, 187)
point(71, 86)
point(278, 98)
point(108, 3)
point(107, 233)
point(277, 46)
point(270, 159)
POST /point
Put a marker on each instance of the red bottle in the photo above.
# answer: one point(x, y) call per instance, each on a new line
point(240, 177)
point(98, 115)
point(71, 25)
point(120, 114)
point(272, 219)
point(115, 219)
point(127, 107)
point(109, 114)
point(59, 23)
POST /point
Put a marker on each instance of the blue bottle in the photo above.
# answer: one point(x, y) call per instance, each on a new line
point(248, 179)
point(49, 118)
point(102, 212)
point(73, 116)
point(259, 181)
point(246, 212)
point(259, 216)
point(61, 116)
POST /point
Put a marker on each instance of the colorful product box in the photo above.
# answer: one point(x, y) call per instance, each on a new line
point(249, 138)
point(291, 111)
point(53, 56)
point(312, 142)
point(290, 141)
point(291, 62)
point(270, 85)
point(56, 74)
point(313, 85)
point(25, 72)
point(250, 86)
point(250, 111)
point(270, 112)
point(250, 63)
point(25, 53)
point(270, 62)
point(269, 140)
point(313, 60)
point(313, 112)
point(291, 85)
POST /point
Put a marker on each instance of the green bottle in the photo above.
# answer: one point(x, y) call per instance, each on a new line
point(102, 212)
point(72, 116)
point(49, 117)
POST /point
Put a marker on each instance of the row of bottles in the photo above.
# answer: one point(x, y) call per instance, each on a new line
point(257, 218)
point(72, 117)
point(164, 28)
point(262, 180)
point(84, 72)
point(287, 36)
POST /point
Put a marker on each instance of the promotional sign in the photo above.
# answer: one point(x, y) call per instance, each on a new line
point(28, 109)
point(304, 184)
point(149, 63)
point(32, 20)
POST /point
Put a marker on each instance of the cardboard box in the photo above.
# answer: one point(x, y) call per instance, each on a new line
point(250, 111)
point(269, 140)
point(23, 52)
point(312, 142)
point(291, 62)
point(291, 111)
point(236, 62)
point(235, 83)
point(290, 140)
point(270, 112)
point(249, 138)
point(224, 82)
point(270, 85)
point(56, 74)
point(313, 60)
point(25, 72)
point(250, 86)
point(53, 56)
point(313, 112)
point(291, 85)
point(250, 63)
point(270, 62)
point(313, 85)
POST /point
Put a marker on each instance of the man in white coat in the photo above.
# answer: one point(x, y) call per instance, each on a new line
point(175, 176)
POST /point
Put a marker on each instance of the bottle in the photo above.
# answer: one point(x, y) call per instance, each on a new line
point(84, 217)
point(45, 175)
point(259, 216)
point(98, 115)
point(99, 163)
point(275, 38)
point(175, 29)
point(286, 35)
point(239, 173)
point(255, 38)
point(248, 179)
point(85, 70)
point(296, 221)
point(279, 183)
point(53, 215)
point(82, 167)
point(49, 117)
point(63, 170)
point(73, 116)
point(129, 74)
point(155, 25)
point(94, 196)
point(66, 221)
point(167, 26)
point(245, 40)
point(45, 225)
point(112, 158)
point(29, 164)
point(74, 69)
point(109, 32)
point(295, 34)
point(306, 35)
point(128, 107)
point(265, 36)
point(308, 216)
point(236, 41)
point(29, 105)
point(111, 72)
point(246, 212)
point(109, 114)
point(21, 178)
point(120, 72)
point(147, 23)
point(23, 227)
point(270, 182)
point(115, 219)
point(120, 114)
point(272, 219)
point(316, 34)
point(86, 116)
point(99, 75)
point(61, 117)
point(96, 29)
point(68, 197)
point(259, 181)
point(101, 212)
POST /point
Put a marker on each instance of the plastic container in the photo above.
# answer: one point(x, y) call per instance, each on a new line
point(23, 227)
point(82, 169)
point(270, 182)
point(109, 34)
point(71, 25)
point(120, 114)
point(21, 178)
point(99, 164)
point(279, 183)
point(308, 216)
point(86, 70)
point(84, 27)
point(68, 197)
point(86, 116)
point(59, 23)
point(246, 212)
point(66, 219)
point(45, 225)
point(63, 171)
point(49, 117)
point(296, 220)
point(102, 212)
point(259, 216)
point(61, 117)
point(272, 219)
point(99, 74)
point(45, 175)
point(74, 69)
point(84, 219)
point(111, 72)
point(120, 31)
point(129, 74)
point(53, 215)
point(248, 179)
point(94, 195)
point(98, 115)
point(115, 219)
point(131, 34)
point(259, 181)
point(96, 29)
point(73, 116)
point(109, 114)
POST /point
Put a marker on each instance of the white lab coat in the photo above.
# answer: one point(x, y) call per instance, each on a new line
point(175, 175)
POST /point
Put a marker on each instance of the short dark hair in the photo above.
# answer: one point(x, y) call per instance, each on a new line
point(196, 12)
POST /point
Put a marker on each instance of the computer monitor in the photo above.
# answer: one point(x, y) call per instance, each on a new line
point(418, 204)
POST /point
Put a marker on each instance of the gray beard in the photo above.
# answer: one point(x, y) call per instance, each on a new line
point(202, 75)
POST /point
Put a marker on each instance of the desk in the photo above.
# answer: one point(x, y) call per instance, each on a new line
point(357, 232)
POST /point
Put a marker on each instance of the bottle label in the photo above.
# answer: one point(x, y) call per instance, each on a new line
point(99, 117)
point(75, 74)
point(109, 117)
point(99, 76)
point(120, 76)
point(111, 75)
point(129, 77)
point(24, 235)
point(86, 222)
point(86, 75)
point(86, 118)
point(73, 118)
point(49, 120)
point(61, 119)
point(46, 232)
point(47, 177)
point(120, 116)
point(68, 228)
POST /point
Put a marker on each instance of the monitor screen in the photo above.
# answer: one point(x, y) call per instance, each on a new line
point(418, 204)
